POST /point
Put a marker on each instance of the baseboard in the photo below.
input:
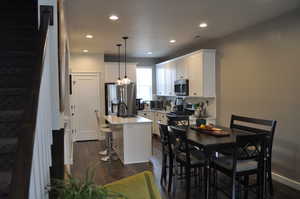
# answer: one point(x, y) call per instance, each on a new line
point(286, 181)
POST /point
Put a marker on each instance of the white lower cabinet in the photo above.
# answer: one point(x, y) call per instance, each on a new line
point(156, 117)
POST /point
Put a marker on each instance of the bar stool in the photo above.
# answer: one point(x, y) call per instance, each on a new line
point(104, 152)
point(108, 139)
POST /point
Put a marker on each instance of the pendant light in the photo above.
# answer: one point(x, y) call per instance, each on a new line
point(126, 80)
point(119, 81)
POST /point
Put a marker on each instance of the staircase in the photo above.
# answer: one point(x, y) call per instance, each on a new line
point(18, 54)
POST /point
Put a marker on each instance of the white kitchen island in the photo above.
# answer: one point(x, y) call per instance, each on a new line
point(132, 139)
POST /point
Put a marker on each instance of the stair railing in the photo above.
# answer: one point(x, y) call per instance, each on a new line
point(22, 171)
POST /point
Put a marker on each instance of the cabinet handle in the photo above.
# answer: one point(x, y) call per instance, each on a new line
point(195, 93)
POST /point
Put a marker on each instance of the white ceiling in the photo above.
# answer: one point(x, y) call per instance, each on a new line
point(150, 24)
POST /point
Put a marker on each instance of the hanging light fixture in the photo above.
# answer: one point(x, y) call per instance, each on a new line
point(125, 80)
point(119, 81)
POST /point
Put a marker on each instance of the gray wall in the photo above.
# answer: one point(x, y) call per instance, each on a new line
point(258, 73)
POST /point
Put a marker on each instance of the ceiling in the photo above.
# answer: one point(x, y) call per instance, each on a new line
point(150, 24)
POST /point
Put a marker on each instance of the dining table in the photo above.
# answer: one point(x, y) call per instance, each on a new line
point(210, 144)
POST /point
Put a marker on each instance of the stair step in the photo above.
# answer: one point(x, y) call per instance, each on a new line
point(16, 6)
point(13, 98)
point(5, 180)
point(17, 33)
point(12, 102)
point(12, 81)
point(13, 91)
point(8, 145)
point(11, 116)
point(7, 161)
point(15, 70)
point(19, 43)
point(9, 129)
point(10, 61)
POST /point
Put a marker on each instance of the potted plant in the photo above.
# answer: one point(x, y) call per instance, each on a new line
point(75, 188)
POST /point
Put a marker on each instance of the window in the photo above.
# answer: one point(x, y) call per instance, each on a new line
point(144, 83)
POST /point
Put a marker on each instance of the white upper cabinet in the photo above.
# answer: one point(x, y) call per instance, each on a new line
point(165, 78)
point(198, 67)
point(160, 79)
point(182, 69)
point(111, 73)
point(170, 76)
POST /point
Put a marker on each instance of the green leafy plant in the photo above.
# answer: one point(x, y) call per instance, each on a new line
point(75, 188)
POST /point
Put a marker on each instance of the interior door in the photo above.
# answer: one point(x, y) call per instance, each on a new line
point(85, 105)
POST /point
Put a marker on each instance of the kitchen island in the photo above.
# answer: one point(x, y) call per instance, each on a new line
point(132, 140)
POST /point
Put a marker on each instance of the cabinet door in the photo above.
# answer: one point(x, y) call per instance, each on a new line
point(170, 77)
point(182, 68)
point(195, 74)
point(160, 79)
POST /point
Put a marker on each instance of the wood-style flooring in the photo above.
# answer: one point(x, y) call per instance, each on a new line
point(86, 155)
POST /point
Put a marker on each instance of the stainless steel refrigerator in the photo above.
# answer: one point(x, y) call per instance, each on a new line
point(127, 100)
point(120, 99)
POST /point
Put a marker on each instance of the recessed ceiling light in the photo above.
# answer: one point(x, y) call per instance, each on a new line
point(172, 41)
point(113, 17)
point(89, 36)
point(85, 51)
point(149, 53)
point(203, 25)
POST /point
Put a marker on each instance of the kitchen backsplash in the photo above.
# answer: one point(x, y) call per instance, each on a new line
point(211, 103)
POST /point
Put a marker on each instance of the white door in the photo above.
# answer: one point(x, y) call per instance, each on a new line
point(85, 102)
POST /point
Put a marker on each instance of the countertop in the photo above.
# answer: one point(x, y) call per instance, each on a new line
point(154, 110)
point(113, 119)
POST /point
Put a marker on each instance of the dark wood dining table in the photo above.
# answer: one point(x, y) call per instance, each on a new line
point(210, 144)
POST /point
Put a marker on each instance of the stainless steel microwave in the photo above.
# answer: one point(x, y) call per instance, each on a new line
point(181, 87)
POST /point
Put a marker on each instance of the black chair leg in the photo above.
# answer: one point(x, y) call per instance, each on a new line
point(188, 182)
point(270, 181)
point(164, 169)
point(170, 173)
point(233, 187)
point(246, 184)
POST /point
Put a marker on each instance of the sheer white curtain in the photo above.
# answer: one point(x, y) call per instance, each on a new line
point(144, 83)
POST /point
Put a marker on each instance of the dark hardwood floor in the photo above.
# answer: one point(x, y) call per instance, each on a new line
point(86, 155)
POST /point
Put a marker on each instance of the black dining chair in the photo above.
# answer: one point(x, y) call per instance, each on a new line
point(189, 160)
point(258, 126)
point(178, 120)
point(167, 156)
point(241, 164)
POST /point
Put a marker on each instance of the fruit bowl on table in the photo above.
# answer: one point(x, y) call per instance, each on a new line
point(211, 130)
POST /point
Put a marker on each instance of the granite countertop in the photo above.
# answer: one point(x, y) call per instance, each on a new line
point(113, 119)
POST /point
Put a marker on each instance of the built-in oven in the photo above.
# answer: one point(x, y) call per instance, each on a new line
point(181, 87)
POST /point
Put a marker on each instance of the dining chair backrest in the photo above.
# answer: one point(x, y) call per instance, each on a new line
point(178, 141)
point(176, 120)
point(164, 136)
point(258, 144)
point(256, 126)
